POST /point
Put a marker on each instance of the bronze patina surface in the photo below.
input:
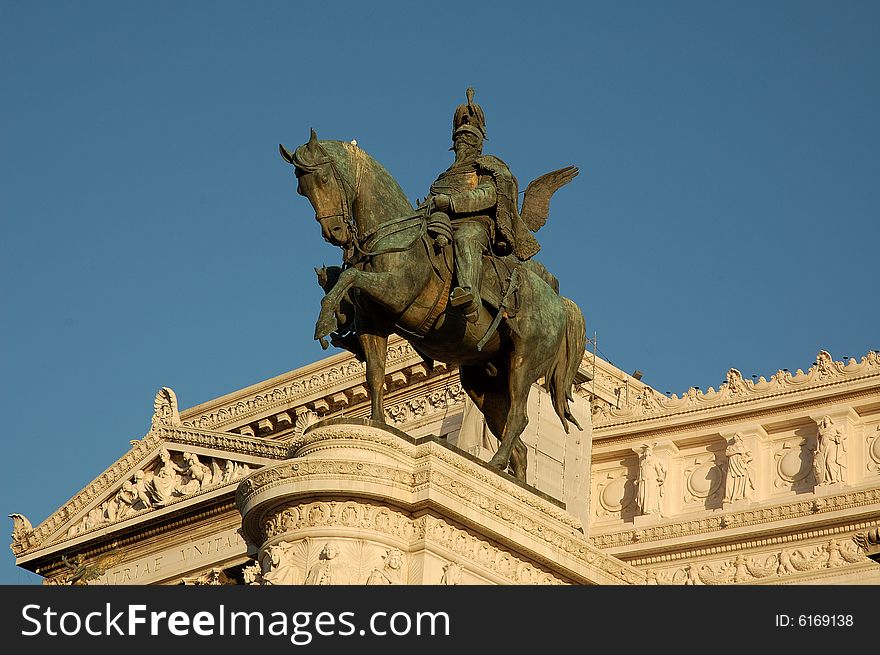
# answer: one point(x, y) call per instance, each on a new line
point(455, 276)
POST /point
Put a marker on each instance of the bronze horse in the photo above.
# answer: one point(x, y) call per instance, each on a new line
point(396, 278)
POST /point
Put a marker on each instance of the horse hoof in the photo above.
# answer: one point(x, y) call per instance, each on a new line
point(325, 327)
point(498, 463)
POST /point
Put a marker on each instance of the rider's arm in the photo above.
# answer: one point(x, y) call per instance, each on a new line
point(474, 200)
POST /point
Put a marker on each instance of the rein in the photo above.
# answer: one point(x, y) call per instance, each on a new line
point(366, 245)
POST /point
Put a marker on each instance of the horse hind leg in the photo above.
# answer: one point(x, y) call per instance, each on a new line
point(492, 396)
point(514, 422)
point(519, 459)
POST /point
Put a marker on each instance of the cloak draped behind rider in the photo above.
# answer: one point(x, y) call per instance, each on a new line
point(511, 235)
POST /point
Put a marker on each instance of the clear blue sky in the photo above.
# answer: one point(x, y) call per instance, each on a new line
point(726, 214)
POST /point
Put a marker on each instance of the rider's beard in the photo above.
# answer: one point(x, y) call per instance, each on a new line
point(465, 153)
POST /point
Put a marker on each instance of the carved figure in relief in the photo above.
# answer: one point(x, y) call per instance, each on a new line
point(83, 571)
point(829, 458)
point(140, 488)
point(252, 574)
point(451, 574)
point(216, 577)
point(164, 483)
point(328, 570)
point(738, 483)
point(391, 572)
point(123, 502)
point(693, 575)
point(165, 408)
point(281, 569)
point(650, 481)
point(21, 528)
point(200, 476)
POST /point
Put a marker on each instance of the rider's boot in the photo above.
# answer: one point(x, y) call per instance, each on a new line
point(468, 262)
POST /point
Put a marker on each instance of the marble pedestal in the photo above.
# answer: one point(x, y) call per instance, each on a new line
point(361, 503)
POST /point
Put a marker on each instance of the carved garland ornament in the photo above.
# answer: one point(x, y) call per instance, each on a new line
point(752, 568)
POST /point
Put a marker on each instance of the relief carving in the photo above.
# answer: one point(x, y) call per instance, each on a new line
point(615, 494)
point(165, 482)
point(738, 482)
point(391, 572)
point(650, 482)
point(451, 574)
point(703, 479)
point(252, 574)
point(750, 569)
point(165, 409)
point(829, 456)
point(329, 570)
point(824, 370)
point(794, 462)
point(873, 438)
point(279, 567)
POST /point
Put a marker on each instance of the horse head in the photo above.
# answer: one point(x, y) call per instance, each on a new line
point(319, 180)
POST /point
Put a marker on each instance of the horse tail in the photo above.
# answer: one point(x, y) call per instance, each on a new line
point(564, 367)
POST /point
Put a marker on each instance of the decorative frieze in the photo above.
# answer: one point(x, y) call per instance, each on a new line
point(761, 566)
point(361, 560)
point(757, 516)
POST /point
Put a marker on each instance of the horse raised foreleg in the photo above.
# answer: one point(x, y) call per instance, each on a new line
point(376, 285)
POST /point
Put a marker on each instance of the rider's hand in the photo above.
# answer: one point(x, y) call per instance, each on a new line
point(441, 202)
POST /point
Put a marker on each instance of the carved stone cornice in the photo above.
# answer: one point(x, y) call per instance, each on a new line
point(373, 461)
point(825, 374)
point(297, 387)
point(361, 517)
point(750, 517)
point(842, 532)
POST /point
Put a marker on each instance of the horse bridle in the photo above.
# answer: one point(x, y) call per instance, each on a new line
point(362, 243)
point(345, 204)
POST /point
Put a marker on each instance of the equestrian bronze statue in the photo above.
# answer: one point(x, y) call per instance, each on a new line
point(455, 277)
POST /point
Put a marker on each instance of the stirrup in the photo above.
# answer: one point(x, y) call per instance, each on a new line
point(460, 296)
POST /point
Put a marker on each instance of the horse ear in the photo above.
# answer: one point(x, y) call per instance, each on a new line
point(313, 143)
point(285, 153)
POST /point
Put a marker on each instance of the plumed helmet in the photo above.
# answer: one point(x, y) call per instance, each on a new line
point(470, 134)
point(469, 114)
